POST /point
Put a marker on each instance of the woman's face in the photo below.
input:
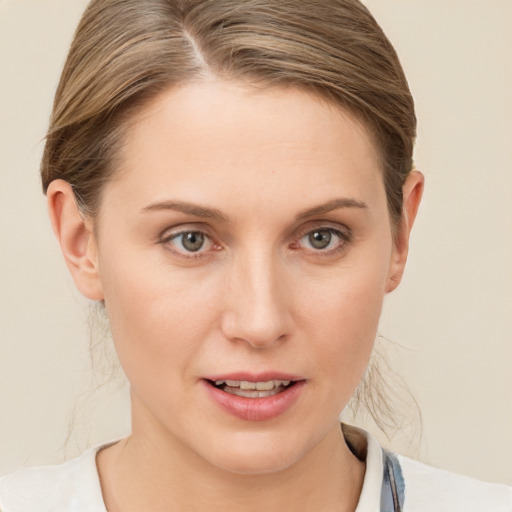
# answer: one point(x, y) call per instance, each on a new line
point(246, 239)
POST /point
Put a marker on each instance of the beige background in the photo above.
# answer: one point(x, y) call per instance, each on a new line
point(450, 324)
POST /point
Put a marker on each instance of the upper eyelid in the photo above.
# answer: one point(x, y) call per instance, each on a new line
point(173, 231)
point(331, 229)
point(315, 225)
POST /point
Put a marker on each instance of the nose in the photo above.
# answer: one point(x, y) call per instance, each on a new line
point(256, 302)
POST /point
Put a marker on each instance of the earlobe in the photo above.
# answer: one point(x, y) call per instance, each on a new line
point(76, 239)
point(412, 193)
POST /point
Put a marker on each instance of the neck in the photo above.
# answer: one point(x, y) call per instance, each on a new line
point(150, 467)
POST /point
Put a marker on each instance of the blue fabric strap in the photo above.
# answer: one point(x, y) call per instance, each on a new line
point(393, 486)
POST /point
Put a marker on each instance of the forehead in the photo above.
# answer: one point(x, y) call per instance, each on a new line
point(212, 137)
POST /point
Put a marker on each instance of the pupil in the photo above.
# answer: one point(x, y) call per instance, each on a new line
point(193, 241)
point(320, 239)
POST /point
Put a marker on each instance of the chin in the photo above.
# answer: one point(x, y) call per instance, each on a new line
point(258, 454)
point(263, 464)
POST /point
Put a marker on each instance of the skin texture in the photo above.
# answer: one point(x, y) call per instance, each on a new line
point(259, 172)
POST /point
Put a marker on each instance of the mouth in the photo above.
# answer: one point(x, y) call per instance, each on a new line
point(248, 389)
point(255, 397)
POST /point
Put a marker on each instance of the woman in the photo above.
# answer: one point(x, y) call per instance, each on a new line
point(234, 182)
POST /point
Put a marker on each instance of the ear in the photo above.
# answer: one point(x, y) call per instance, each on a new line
point(76, 239)
point(412, 192)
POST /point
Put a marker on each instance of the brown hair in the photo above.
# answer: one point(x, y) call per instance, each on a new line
point(127, 51)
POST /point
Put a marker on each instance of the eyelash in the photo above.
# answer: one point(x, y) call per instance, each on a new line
point(344, 238)
point(167, 240)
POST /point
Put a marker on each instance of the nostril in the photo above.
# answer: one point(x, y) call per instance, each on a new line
point(258, 331)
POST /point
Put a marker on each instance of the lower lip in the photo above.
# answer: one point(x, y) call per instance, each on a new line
point(256, 409)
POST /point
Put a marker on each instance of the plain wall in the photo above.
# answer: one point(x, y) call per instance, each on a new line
point(450, 322)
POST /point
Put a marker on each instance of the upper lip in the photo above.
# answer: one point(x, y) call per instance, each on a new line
point(254, 377)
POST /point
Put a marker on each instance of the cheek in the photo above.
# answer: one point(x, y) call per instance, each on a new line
point(348, 300)
point(342, 317)
point(157, 316)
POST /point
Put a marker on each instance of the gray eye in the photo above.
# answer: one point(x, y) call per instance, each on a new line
point(192, 240)
point(320, 238)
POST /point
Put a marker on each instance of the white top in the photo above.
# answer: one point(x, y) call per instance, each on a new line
point(75, 487)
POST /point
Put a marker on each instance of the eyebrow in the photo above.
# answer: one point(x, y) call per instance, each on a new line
point(212, 213)
point(335, 204)
point(188, 208)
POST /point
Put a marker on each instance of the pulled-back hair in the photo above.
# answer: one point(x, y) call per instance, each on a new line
point(125, 52)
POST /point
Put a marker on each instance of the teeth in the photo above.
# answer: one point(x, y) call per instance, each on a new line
point(252, 393)
point(252, 389)
point(264, 386)
point(251, 386)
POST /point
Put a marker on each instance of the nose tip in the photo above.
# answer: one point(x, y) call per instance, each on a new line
point(257, 309)
point(258, 331)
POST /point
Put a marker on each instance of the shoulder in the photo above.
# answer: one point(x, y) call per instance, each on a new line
point(71, 486)
point(428, 488)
